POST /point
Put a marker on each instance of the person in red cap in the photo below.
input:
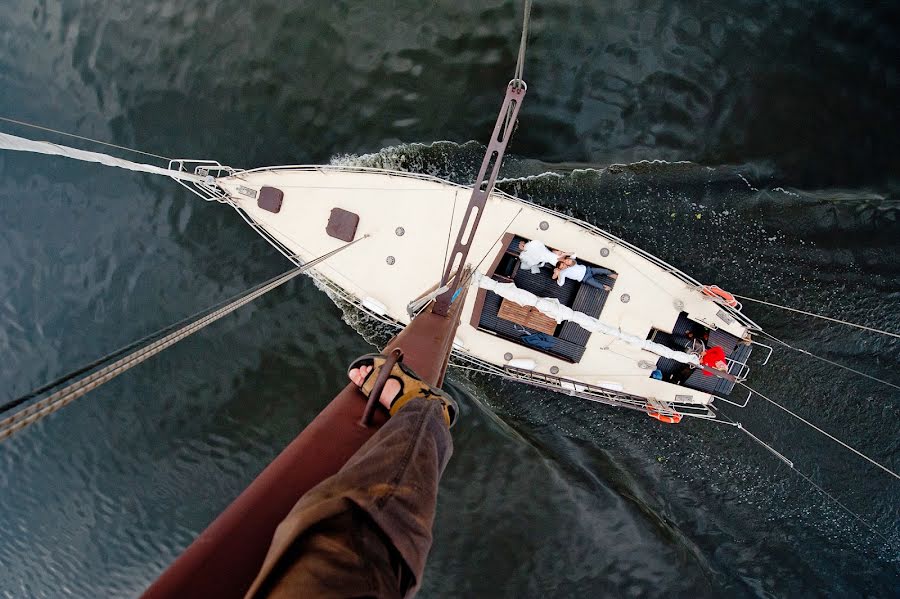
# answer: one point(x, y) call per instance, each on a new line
point(714, 357)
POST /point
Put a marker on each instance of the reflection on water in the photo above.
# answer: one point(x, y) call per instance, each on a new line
point(544, 496)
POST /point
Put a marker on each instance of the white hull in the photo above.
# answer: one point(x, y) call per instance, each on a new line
point(386, 271)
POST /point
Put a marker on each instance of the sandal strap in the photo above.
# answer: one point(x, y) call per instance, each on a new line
point(411, 386)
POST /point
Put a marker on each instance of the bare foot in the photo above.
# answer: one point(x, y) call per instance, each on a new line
point(391, 386)
point(607, 288)
point(614, 276)
point(521, 245)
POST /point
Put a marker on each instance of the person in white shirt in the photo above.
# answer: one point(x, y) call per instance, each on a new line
point(569, 269)
point(534, 254)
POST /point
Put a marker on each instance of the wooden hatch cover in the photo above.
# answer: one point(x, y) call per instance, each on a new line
point(270, 198)
point(342, 224)
point(527, 316)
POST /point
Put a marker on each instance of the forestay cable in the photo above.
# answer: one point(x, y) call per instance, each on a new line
point(826, 360)
point(791, 465)
point(520, 61)
point(827, 434)
point(814, 315)
point(50, 404)
point(95, 141)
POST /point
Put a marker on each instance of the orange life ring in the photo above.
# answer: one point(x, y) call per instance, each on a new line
point(673, 419)
point(716, 291)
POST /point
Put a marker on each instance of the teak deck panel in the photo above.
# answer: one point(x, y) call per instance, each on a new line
point(527, 316)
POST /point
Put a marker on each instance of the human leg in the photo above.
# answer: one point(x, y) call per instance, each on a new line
point(597, 271)
point(366, 531)
point(590, 277)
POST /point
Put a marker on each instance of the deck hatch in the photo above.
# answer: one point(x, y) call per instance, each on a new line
point(342, 224)
point(270, 199)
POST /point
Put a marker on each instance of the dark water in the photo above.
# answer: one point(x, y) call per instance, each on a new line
point(787, 114)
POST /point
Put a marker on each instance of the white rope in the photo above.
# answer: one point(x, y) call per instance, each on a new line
point(21, 144)
point(827, 361)
point(827, 434)
point(837, 320)
point(95, 141)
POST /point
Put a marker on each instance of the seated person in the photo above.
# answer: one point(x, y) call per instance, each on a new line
point(569, 269)
point(680, 376)
point(535, 254)
point(694, 345)
point(714, 357)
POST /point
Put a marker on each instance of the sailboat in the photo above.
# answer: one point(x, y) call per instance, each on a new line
point(607, 351)
point(447, 267)
point(620, 340)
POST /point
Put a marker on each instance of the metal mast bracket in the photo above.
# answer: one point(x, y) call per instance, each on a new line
point(484, 185)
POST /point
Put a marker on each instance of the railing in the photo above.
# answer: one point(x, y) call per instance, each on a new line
point(210, 169)
point(768, 347)
point(739, 405)
point(212, 192)
point(742, 373)
point(662, 264)
point(600, 394)
point(209, 191)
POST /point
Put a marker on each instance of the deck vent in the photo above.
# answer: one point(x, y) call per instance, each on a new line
point(678, 305)
point(341, 224)
point(390, 260)
point(270, 199)
point(507, 356)
point(554, 370)
point(625, 298)
point(544, 225)
point(645, 365)
point(724, 316)
point(604, 252)
point(400, 231)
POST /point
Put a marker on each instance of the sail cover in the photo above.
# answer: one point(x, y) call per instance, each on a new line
point(552, 308)
point(20, 144)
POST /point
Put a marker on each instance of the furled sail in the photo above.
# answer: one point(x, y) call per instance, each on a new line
point(552, 308)
point(21, 144)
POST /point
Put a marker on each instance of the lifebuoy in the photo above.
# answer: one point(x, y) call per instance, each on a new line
point(716, 291)
point(673, 419)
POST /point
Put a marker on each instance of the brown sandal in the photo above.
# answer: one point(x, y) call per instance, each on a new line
point(411, 386)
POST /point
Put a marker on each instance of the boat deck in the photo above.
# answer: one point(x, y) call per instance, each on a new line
point(736, 353)
point(569, 339)
point(404, 219)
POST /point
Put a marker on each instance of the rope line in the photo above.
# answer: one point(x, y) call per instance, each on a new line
point(472, 272)
point(96, 141)
point(826, 360)
point(837, 320)
point(50, 404)
point(790, 465)
point(520, 61)
point(826, 433)
point(449, 233)
point(6, 407)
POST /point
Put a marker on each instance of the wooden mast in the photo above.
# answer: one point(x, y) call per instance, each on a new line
point(224, 560)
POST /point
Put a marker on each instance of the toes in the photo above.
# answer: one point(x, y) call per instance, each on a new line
point(358, 375)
